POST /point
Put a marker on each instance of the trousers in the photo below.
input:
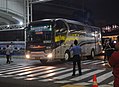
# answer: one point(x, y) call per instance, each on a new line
point(77, 60)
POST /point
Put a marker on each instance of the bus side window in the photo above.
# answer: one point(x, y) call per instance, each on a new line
point(60, 32)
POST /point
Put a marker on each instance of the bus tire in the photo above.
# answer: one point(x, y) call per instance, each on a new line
point(67, 55)
point(92, 55)
point(43, 61)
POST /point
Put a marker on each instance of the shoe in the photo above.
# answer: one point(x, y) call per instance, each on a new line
point(80, 74)
point(9, 62)
point(73, 74)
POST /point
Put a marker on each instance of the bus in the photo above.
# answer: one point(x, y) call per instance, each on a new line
point(16, 36)
point(51, 39)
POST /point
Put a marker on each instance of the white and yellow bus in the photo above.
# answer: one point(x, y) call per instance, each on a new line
point(50, 39)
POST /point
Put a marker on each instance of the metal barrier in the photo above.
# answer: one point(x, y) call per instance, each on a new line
point(13, 26)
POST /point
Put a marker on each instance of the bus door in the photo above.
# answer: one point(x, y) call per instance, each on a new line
point(60, 36)
point(57, 43)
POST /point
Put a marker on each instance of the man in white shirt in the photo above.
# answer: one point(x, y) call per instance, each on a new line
point(8, 54)
point(11, 51)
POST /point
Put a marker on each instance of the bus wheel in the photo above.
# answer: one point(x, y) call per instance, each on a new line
point(67, 56)
point(43, 61)
point(92, 55)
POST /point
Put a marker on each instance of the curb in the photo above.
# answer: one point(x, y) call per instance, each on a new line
point(14, 56)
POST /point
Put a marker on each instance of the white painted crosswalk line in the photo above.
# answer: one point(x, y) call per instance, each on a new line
point(18, 70)
point(51, 74)
point(32, 75)
point(10, 67)
point(92, 62)
point(67, 70)
point(47, 70)
point(44, 72)
point(33, 70)
point(4, 71)
point(103, 77)
point(67, 75)
point(25, 70)
point(54, 74)
point(40, 72)
point(111, 82)
point(98, 62)
point(86, 75)
point(87, 62)
point(61, 76)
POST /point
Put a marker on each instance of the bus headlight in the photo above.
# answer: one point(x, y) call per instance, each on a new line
point(49, 55)
point(103, 51)
point(27, 56)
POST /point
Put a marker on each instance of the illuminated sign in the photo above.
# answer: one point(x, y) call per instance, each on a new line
point(39, 32)
point(42, 28)
point(59, 38)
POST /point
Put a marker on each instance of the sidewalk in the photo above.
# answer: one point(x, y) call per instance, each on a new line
point(14, 56)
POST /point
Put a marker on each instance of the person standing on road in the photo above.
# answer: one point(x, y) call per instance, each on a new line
point(11, 51)
point(114, 63)
point(76, 57)
point(8, 54)
point(107, 48)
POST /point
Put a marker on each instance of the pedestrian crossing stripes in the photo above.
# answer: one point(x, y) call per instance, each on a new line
point(56, 74)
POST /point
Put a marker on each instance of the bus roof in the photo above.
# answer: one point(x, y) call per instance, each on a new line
point(55, 19)
point(65, 20)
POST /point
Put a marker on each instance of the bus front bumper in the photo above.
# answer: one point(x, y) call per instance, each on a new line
point(39, 56)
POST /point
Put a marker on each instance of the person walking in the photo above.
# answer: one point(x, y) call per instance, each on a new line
point(76, 57)
point(8, 54)
point(114, 63)
point(11, 51)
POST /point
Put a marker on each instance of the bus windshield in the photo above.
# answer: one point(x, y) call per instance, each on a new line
point(39, 35)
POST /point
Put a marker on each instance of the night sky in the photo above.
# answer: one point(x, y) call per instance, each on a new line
point(104, 11)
